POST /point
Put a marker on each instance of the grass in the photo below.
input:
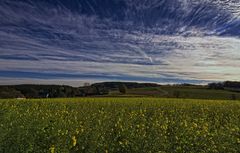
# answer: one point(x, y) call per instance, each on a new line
point(186, 92)
point(119, 125)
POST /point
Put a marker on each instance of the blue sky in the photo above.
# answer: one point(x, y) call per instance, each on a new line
point(76, 41)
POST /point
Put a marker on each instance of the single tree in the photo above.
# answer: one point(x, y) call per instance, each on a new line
point(122, 88)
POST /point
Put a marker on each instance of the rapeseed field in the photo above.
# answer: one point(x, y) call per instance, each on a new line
point(122, 125)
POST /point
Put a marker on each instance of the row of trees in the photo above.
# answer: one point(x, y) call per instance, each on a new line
point(53, 91)
point(224, 85)
point(49, 91)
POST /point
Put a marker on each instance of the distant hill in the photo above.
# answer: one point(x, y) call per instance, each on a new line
point(222, 90)
point(54, 91)
point(38, 91)
point(129, 85)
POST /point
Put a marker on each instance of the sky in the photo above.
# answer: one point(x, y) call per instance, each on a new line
point(76, 41)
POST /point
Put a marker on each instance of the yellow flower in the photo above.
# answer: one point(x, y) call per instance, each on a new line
point(238, 140)
point(77, 131)
point(195, 125)
point(52, 149)
point(74, 141)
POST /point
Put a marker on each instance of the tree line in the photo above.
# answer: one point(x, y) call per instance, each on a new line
point(61, 91)
point(234, 85)
point(49, 91)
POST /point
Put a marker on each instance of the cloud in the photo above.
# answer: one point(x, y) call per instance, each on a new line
point(184, 41)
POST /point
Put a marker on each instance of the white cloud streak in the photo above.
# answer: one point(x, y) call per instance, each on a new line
point(56, 40)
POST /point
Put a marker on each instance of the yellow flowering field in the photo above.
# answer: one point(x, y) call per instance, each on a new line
point(122, 125)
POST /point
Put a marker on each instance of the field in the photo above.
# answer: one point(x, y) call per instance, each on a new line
point(123, 125)
point(188, 92)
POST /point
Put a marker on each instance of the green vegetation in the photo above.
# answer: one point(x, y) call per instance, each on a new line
point(122, 88)
point(200, 92)
point(62, 91)
point(50, 91)
point(215, 91)
point(188, 92)
point(123, 125)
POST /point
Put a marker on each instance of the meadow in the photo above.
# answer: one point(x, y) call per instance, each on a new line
point(122, 125)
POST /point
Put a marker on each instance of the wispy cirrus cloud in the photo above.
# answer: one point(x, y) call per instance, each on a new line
point(154, 41)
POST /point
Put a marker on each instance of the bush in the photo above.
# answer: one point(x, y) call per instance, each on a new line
point(122, 88)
